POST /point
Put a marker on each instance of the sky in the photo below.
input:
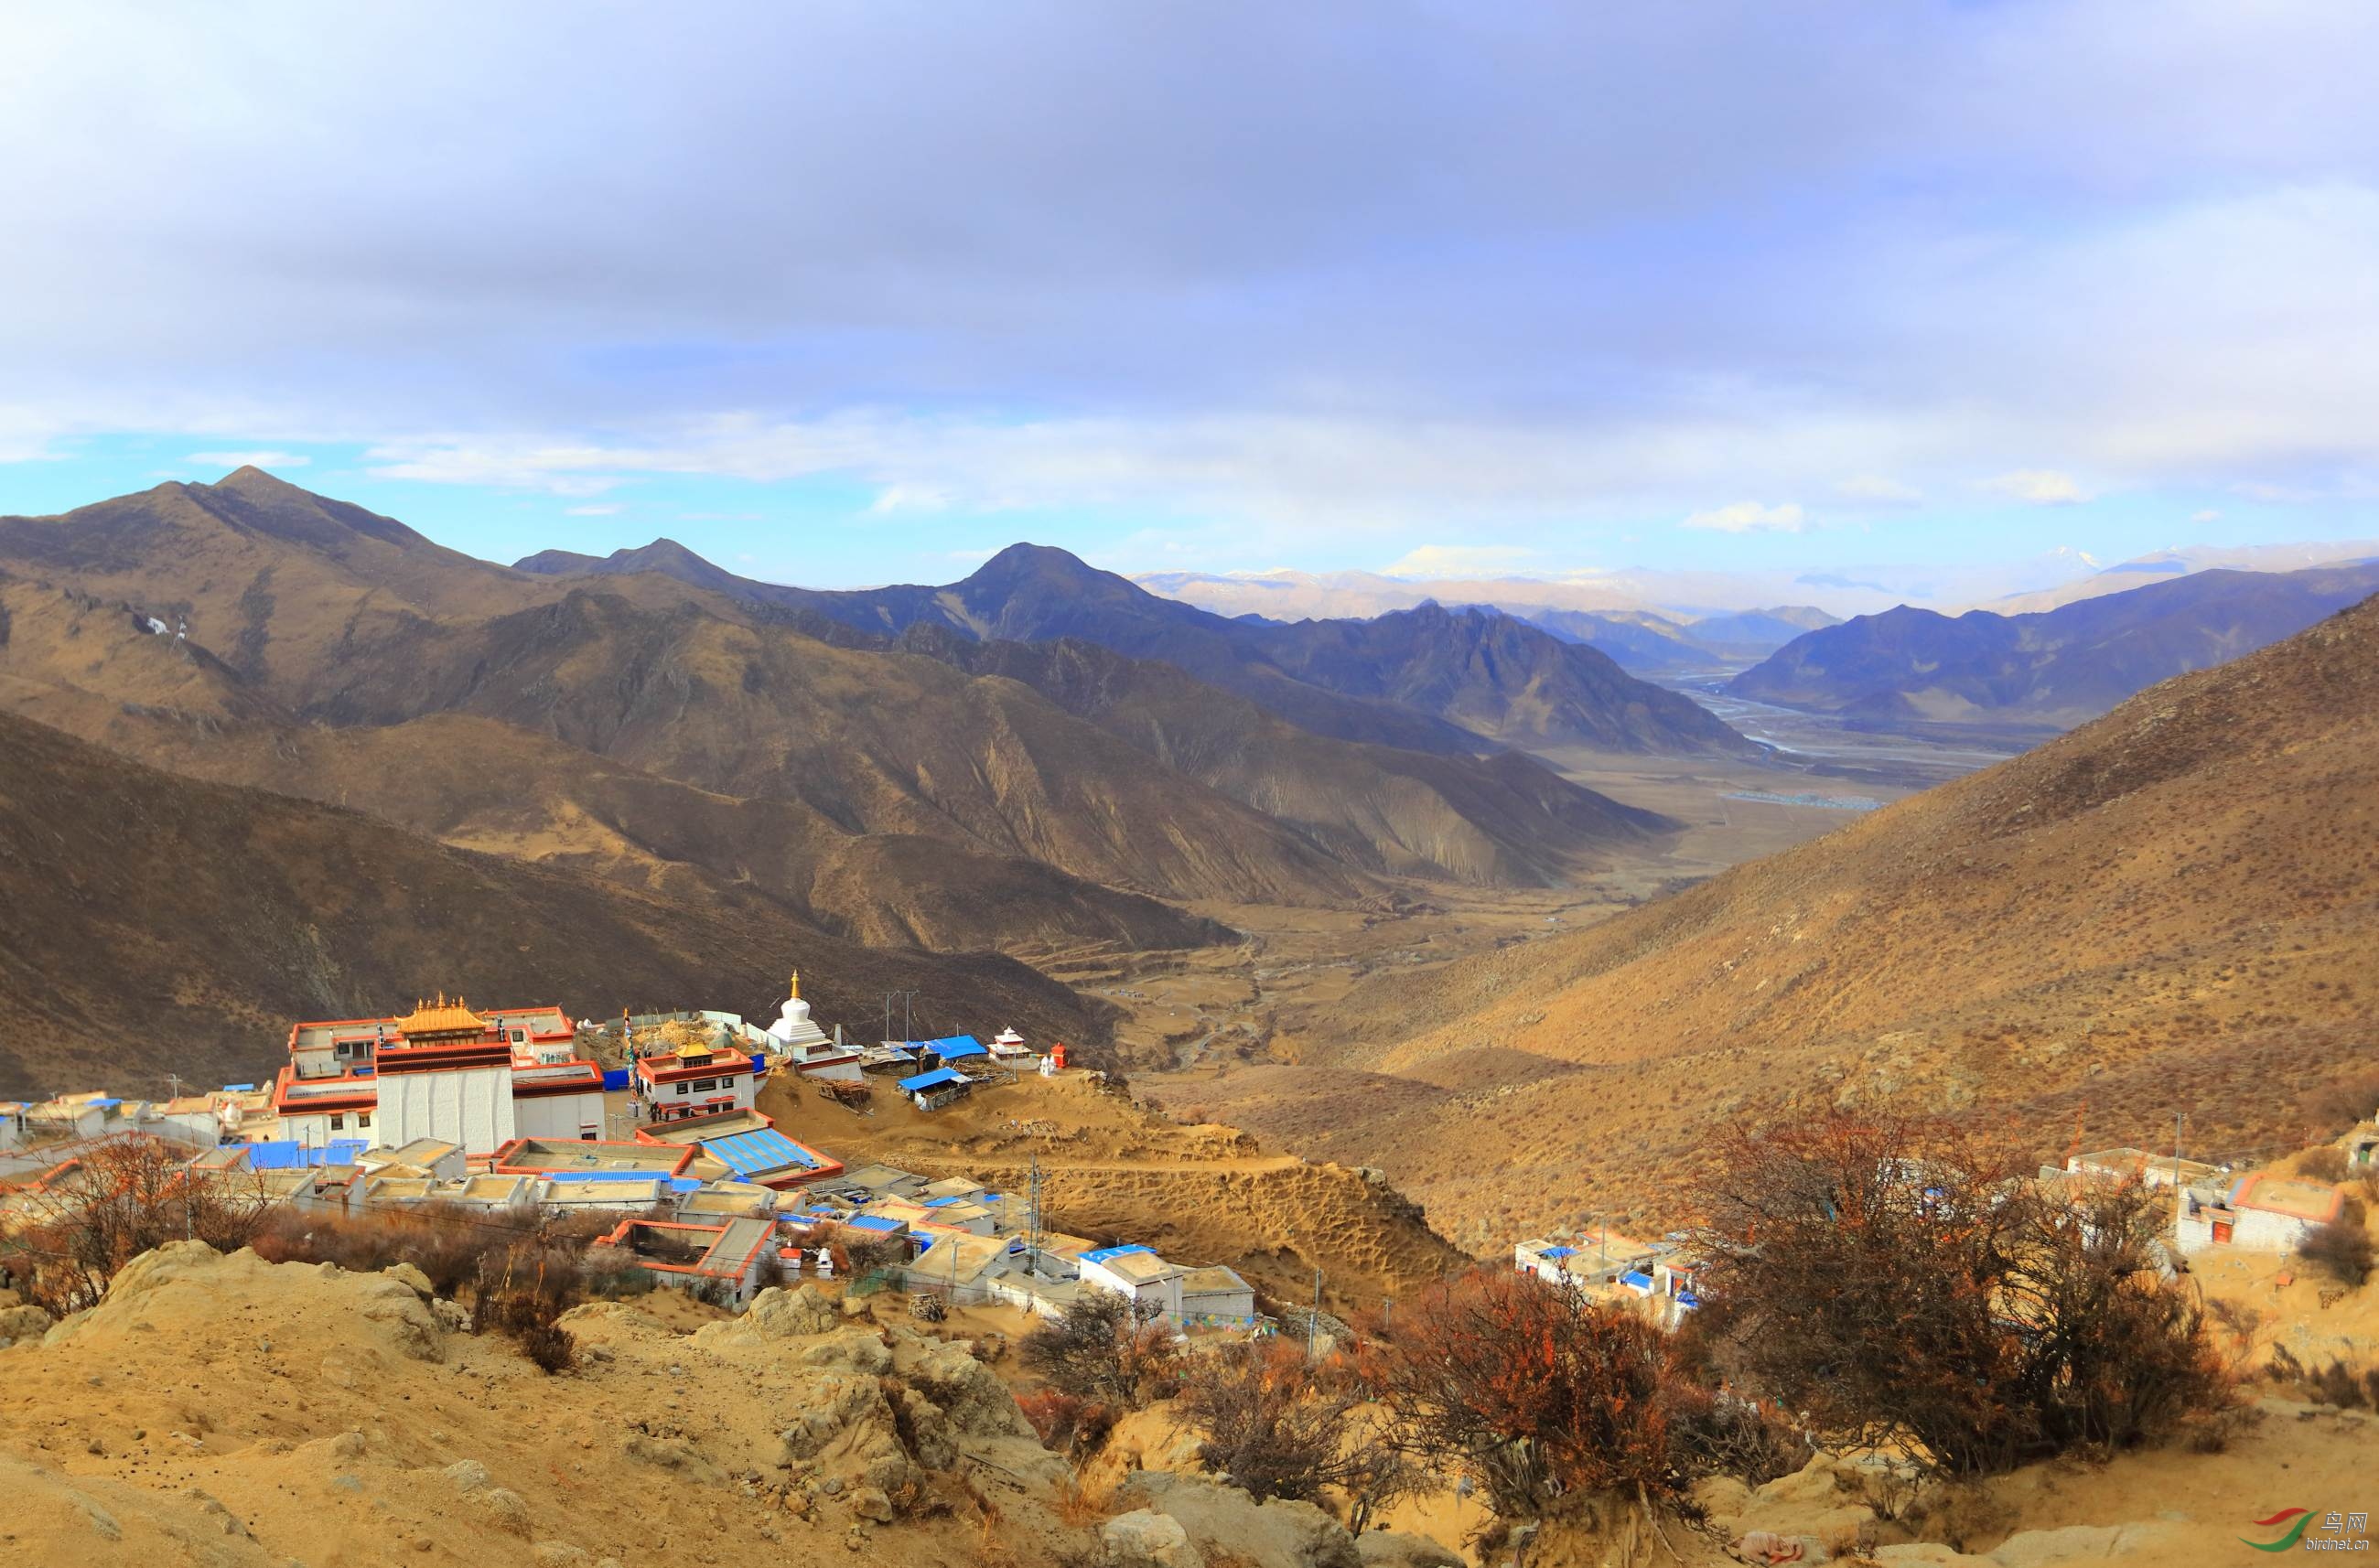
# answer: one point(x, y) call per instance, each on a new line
point(860, 292)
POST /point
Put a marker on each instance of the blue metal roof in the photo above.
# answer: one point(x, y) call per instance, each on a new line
point(749, 1154)
point(958, 1046)
point(944, 1203)
point(288, 1154)
point(104, 1104)
point(933, 1079)
point(1104, 1253)
point(872, 1222)
point(1558, 1252)
point(239, 1089)
point(604, 1176)
point(1637, 1280)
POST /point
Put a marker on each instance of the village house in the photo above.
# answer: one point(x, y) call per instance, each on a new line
point(1135, 1272)
point(932, 1089)
point(431, 1156)
point(2144, 1166)
point(2261, 1212)
point(1217, 1297)
point(698, 1078)
point(535, 1156)
point(730, 1260)
point(748, 1144)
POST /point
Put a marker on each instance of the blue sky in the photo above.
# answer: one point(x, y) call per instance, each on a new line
point(853, 293)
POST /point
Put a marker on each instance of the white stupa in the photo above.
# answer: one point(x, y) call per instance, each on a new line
point(793, 1031)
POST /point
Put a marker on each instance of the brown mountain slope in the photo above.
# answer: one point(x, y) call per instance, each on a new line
point(1506, 818)
point(876, 743)
point(481, 784)
point(2172, 910)
point(149, 923)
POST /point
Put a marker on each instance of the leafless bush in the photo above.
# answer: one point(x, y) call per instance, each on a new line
point(1537, 1393)
point(2342, 1247)
point(1900, 1283)
point(115, 1201)
point(1106, 1347)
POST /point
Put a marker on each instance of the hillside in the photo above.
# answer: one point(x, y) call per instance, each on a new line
point(149, 923)
point(1421, 678)
point(1504, 819)
point(2056, 668)
point(2174, 910)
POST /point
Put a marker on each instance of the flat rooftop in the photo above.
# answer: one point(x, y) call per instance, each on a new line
point(541, 1154)
point(2316, 1202)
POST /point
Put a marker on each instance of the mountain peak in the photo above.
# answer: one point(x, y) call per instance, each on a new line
point(255, 483)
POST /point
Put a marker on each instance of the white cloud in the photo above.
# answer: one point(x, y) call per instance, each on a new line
point(899, 498)
point(251, 459)
point(2208, 515)
point(2038, 487)
point(1875, 489)
point(603, 509)
point(1750, 517)
point(1457, 561)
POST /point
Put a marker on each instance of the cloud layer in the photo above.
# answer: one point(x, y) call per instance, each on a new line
point(1362, 271)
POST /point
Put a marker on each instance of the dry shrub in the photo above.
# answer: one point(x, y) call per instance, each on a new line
point(2324, 1163)
point(1277, 1425)
point(2342, 1248)
point(2336, 1384)
point(1106, 1347)
point(1067, 1424)
point(1900, 1283)
point(111, 1203)
point(1535, 1391)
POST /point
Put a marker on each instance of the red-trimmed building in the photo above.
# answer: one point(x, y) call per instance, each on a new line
point(693, 1081)
point(731, 1259)
point(440, 1071)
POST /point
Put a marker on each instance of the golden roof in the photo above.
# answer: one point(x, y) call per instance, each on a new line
point(441, 1017)
point(690, 1050)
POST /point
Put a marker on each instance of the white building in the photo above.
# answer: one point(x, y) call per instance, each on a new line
point(1217, 1297)
point(2262, 1213)
point(1138, 1272)
point(442, 1072)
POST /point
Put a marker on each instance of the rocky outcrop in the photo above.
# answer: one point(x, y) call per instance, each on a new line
point(1224, 1522)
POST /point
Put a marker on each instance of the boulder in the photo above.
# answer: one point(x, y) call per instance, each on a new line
point(2080, 1543)
point(1143, 1539)
point(854, 1351)
point(1395, 1548)
point(1223, 1521)
point(776, 1313)
point(23, 1322)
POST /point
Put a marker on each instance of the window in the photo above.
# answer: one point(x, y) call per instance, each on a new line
point(337, 1122)
point(702, 1085)
point(363, 1118)
point(680, 1089)
point(587, 1138)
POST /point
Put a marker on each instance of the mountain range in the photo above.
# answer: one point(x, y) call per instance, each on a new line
point(2052, 669)
point(1424, 679)
point(749, 775)
point(1693, 597)
point(2173, 910)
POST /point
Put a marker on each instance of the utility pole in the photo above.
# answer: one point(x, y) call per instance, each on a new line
point(2180, 1192)
point(1313, 1319)
point(174, 1081)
